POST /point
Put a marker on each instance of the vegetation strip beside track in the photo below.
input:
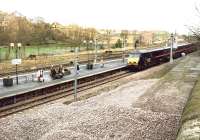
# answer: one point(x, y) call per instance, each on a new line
point(190, 122)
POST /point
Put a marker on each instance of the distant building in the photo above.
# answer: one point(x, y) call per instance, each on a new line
point(153, 37)
point(146, 38)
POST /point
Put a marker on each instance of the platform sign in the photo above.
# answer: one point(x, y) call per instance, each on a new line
point(16, 61)
point(19, 44)
point(12, 44)
point(175, 46)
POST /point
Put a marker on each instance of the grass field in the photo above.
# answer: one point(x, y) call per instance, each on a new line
point(25, 51)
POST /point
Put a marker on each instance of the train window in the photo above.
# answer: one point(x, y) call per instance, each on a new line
point(134, 55)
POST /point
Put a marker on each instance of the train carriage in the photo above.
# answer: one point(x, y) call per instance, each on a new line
point(141, 59)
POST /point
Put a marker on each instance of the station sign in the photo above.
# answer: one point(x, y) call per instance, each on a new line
point(12, 44)
point(175, 46)
point(19, 44)
point(16, 61)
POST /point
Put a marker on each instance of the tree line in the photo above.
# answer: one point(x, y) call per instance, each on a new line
point(15, 27)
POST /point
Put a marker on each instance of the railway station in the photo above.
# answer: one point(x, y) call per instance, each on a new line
point(99, 70)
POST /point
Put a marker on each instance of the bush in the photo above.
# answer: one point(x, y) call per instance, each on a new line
point(118, 44)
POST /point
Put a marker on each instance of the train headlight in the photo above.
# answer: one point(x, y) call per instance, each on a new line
point(133, 61)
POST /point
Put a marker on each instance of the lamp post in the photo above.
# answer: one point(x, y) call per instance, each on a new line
point(76, 74)
point(95, 45)
point(87, 43)
point(171, 49)
point(123, 48)
point(0, 54)
point(90, 42)
point(18, 46)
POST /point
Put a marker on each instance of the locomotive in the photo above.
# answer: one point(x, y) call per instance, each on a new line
point(141, 59)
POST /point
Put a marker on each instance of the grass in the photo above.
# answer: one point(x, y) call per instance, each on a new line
point(47, 49)
point(192, 109)
point(25, 51)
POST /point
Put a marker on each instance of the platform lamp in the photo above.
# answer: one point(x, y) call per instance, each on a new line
point(171, 48)
point(0, 54)
point(90, 42)
point(16, 56)
point(85, 44)
point(124, 49)
point(16, 53)
point(95, 45)
point(89, 66)
point(76, 74)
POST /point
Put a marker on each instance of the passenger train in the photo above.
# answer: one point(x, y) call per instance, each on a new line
point(141, 59)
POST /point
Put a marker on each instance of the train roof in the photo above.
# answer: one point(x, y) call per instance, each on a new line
point(156, 49)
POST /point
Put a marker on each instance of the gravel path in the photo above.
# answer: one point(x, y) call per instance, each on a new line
point(140, 109)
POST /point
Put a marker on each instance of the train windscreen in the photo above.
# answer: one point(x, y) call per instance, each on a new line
point(134, 55)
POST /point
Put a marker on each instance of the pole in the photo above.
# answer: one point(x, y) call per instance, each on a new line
point(133, 41)
point(123, 47)
point(0, 54)
point(16, 66)
point(95, 43)
point(75, 77)
point(171, 49)
point(88, 52)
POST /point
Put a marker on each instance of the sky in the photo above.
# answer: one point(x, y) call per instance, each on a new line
point(169, 15)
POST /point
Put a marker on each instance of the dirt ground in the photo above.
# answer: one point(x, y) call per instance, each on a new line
point(141, 106)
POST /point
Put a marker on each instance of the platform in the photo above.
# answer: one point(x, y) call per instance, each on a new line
point(28, 81)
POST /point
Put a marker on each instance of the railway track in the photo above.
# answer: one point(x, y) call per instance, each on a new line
point(49, 93)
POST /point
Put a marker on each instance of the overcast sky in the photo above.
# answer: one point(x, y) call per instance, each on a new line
point(167, 15)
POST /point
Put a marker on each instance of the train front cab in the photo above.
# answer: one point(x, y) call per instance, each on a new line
point(134, 60)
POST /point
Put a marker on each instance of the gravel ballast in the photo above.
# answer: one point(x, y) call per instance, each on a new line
point(89, 119)
point(140, 109)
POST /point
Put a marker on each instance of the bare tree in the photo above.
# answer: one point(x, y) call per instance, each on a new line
point(195, 29)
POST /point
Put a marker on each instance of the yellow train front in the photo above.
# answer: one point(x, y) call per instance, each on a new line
point(134, 60)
